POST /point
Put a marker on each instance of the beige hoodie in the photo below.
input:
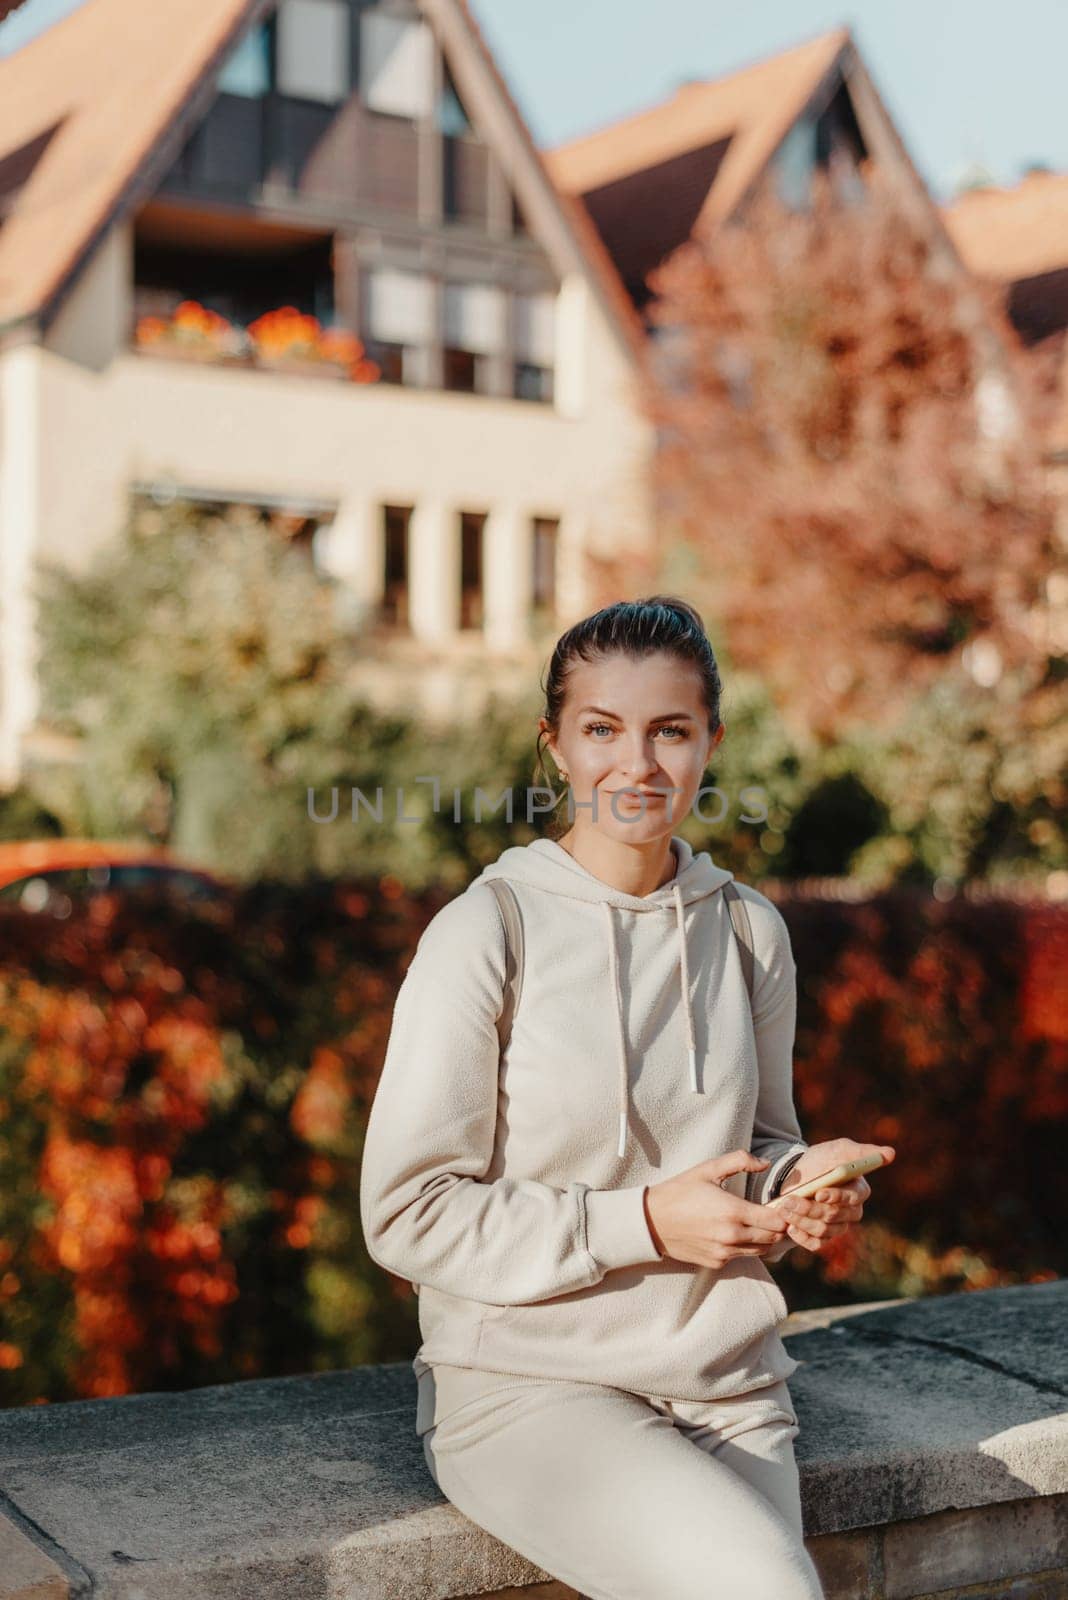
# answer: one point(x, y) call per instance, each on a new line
point(508, 1186)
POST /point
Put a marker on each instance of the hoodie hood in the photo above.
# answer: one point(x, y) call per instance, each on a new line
point(546, 865)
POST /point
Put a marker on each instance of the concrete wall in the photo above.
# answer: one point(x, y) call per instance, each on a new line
point(932, 1453)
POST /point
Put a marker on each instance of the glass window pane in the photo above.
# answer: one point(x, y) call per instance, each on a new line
point(400, 307)
point(795, 165)
point(474, 317)
point(313, 49)
point(535, 329)
point(543, 551)
point(452, 116)
point(396, 62)
point(248, 70)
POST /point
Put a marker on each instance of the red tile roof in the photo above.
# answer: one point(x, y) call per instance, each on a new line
point(754, 108)
point(1009, 234)
point(86, 105)
point(111, 79)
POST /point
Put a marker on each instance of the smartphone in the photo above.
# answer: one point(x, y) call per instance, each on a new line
point(840, 1174)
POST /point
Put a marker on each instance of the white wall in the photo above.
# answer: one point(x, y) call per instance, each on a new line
point(84, 416)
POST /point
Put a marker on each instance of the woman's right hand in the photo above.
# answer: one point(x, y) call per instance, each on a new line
point(692, 1219)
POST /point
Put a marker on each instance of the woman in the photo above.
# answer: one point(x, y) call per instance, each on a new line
point(601, 1383)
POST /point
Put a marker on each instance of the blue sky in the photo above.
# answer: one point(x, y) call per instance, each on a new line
point(968, 81)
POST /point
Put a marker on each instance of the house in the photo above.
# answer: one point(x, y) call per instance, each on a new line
point(687, 166)
point(175, 175)
point(1016, 241)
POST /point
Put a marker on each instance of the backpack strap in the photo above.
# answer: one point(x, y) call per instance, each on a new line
point(513, 954)
point(743, 932)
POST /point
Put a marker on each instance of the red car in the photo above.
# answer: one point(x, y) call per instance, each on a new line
point(50, 874)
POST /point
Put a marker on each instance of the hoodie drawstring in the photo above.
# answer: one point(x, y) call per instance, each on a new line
point(621, 1034)
point(691, 1037)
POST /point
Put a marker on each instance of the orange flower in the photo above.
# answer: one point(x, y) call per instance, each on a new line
point(149, 329)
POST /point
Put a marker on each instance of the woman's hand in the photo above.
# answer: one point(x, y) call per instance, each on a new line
point(827, 1213)
point(692, 1218)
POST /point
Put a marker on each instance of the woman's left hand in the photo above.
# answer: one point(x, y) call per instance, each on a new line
point(827, 1213)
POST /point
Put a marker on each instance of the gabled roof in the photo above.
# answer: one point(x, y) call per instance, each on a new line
point(754, 109)
point(111, 79)
point(94, 110)
point(1007, 235)
point(475, 70)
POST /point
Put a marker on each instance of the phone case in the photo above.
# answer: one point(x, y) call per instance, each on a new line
point(827, 1180)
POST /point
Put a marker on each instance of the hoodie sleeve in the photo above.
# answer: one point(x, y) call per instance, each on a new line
point(427, 1211)
point(777, 1134)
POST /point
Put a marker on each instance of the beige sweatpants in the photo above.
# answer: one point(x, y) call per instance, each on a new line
point(625, 1496)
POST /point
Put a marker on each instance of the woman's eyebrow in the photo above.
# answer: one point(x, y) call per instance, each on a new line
point(665, 716)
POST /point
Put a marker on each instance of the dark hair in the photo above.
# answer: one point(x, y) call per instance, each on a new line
point(635, 628)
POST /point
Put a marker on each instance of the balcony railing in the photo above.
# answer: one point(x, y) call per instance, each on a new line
point(289, 340)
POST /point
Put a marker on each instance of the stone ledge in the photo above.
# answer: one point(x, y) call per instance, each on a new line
point(933, 1453)
point(26, 1572)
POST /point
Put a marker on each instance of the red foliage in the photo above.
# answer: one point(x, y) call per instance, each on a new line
point(180, 1110)
point(941, 1028)
point(845, 452)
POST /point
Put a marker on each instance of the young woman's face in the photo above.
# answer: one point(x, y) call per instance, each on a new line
point(630, 724)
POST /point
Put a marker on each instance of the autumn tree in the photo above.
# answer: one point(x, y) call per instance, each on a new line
point(844, 457)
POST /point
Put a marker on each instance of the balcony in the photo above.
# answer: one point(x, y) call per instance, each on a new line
point(284, 339)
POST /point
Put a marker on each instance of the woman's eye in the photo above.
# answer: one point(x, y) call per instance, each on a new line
point(670, 727)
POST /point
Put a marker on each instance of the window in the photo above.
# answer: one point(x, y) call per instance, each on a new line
point(248, 71)
point(302, 524)
point(472, 527)
point(399, 320)
point(388, 358)
point(831, 141)
point(238, 285)
point(396, 522)
point(473, 324)
point(313, 49)
point(543, 576)
point(465, 179)
point(795, 165)
point(396, 65)
point(841, 150)
point(532, 383)
point(535, 343)
point(452, 118)
point(460, 371)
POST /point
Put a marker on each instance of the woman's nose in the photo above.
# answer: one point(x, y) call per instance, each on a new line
point(639, 765)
